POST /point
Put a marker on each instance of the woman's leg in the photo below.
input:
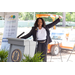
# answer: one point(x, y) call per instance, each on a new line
point(42, 47)
point(38, 47)
point(44, 50)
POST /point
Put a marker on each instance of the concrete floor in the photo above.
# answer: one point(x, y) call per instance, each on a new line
point(63, 58)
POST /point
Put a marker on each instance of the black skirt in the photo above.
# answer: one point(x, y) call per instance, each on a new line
point(42, 47)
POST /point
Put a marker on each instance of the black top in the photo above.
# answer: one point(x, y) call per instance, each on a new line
point(34, 30)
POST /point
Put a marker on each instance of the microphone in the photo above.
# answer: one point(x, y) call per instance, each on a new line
point(20, 34)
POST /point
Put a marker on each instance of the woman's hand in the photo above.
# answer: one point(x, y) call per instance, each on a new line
point(19, 37)
point(60, 17)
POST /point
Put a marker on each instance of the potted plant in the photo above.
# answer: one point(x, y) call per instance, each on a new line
point(3, 55)
point(35, 58)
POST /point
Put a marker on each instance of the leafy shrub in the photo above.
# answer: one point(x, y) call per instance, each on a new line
point(3, 55)
point(35, 58)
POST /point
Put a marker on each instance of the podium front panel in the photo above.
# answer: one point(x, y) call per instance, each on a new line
point(16, 53)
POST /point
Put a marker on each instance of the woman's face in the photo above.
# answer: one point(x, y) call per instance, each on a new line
point(40, 23)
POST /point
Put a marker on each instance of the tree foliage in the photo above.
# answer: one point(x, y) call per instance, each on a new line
point(26, 15)
point(70, 16)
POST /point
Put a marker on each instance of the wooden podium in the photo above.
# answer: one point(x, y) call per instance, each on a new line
point(18, 47)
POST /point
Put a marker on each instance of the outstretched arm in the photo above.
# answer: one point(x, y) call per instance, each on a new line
point(53, 23)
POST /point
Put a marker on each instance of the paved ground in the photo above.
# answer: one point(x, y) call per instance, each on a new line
point(63, 58)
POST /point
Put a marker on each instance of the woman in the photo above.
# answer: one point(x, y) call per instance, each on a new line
point(41, 34)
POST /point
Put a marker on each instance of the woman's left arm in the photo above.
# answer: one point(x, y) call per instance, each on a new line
point(53, 23)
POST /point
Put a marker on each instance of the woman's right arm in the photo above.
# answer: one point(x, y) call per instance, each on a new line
point(53, 23)
point(27, 35)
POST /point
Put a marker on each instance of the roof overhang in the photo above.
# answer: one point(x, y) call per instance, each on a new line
point(5, 13)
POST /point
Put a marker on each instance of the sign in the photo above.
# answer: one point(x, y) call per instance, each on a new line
point(10, 29)
point(57, 36)
point(16, 55)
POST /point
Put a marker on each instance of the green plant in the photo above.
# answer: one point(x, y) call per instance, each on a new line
point(3, 55)
point(35, 58)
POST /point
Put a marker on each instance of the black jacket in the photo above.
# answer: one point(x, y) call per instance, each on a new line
point(34, 30)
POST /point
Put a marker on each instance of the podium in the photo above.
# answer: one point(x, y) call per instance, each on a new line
point(18, 47)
